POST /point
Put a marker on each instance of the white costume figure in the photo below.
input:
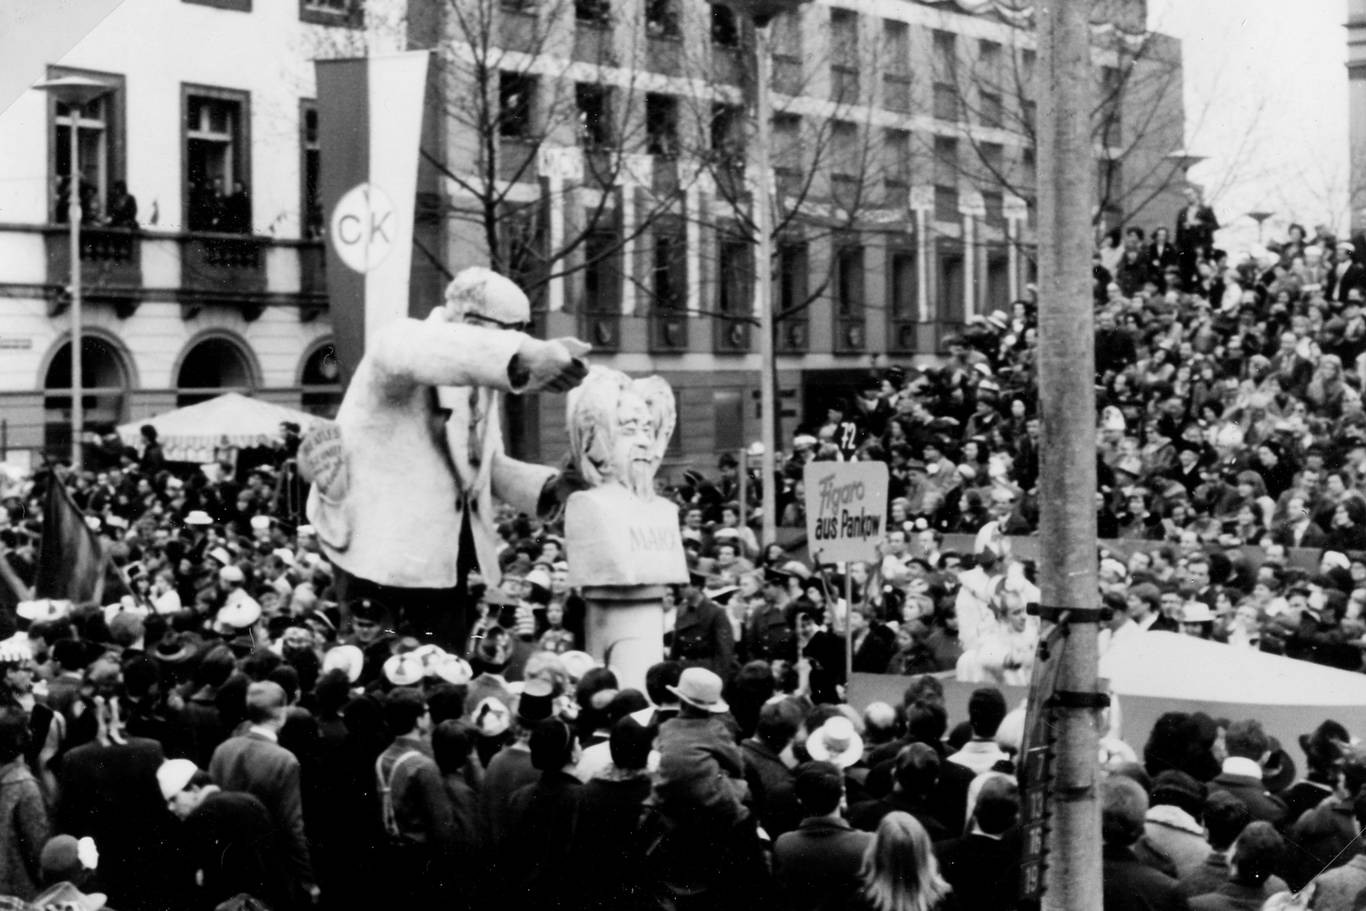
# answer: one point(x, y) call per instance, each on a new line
point(416, 448)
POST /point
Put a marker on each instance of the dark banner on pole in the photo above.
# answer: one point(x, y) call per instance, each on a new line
point(369, 123)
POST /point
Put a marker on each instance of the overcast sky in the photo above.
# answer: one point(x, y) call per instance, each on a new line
point(1266, 101)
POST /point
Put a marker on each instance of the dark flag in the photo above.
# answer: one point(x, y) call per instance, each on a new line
point(72, 560)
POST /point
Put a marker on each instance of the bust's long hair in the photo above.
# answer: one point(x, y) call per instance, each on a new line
point(592, 419)
point(899, 871)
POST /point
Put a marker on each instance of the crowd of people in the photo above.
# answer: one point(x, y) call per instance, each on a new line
point(236, 728)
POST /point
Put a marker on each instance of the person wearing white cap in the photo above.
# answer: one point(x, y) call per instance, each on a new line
point(411, 513)
point(226, 837)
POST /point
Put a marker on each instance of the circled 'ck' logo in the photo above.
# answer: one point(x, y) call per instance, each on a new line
point(363, 227)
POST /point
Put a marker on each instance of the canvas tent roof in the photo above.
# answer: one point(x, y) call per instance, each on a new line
point(193, 433)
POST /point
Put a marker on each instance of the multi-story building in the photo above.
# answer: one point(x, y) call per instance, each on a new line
point(601, 150)
point(1356, 111)
point(214, 290)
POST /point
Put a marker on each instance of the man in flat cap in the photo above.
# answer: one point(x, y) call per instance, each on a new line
point(404, 481)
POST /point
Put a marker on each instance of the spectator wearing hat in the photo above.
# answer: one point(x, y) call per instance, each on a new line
point(701, 769)
point(1248, 745)
point(254, 762)
point(1255, 857)
point(768, 773)
point(817, 865)
point(1323, 749)
point(24, 825)
point(226, 838)
point(414, 808)
point(511, 769)
point(702, 632)
point(983, 866)
point(1172, 826)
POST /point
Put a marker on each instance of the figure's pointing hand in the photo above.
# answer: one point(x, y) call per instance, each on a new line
point(553, 365)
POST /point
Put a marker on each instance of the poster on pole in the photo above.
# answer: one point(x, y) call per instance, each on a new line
point(846, 510)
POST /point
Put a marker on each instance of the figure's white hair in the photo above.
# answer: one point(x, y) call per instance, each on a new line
point(592, 420)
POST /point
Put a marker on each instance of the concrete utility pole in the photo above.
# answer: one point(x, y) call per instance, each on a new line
point(1067, 403)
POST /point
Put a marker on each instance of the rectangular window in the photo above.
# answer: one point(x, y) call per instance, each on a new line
point(311, 205)
point(849, 281)
point(844, 146)
point(239, 6)
point(991, 113)
point(787, 143)
point(661, 124)
point(787, 35)
point(896, 146)
point(593, 12)
point(945, 102)
point(1111, 106)
point(945, 160)
point(944, 56)
point(993, 163)
point(946, 203)
point(667, 276)
point(728, 407)
point(896, 47)
point(989, 62)
point(595, 118)
point(792, 268)
point(727, 130)
point(331, 12)
point(725, 30)
point(516, 96)
point(100, 147)
point(995, 206)
point(1029, 63)
point(217, 149)
point(903, 282)
point(1029, 113)
point(661, 18)
point(844, 48)
point(733, 267)
point(601, 273)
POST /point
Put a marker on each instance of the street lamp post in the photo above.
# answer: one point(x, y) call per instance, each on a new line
point(761, 12)
point(1259, 217)
point(75, 92)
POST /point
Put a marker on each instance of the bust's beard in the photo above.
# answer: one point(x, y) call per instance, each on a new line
point(640, 479)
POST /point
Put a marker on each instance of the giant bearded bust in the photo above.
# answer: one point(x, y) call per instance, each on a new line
point(620, 532)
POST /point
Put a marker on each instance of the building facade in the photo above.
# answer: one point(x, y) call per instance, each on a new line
point(603, 152)
point(210, 124)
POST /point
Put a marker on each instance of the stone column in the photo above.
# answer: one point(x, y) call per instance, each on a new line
point(1016, 213)
point(557, 166)
point(922, 207)
point(971, 207)
point(636, 171)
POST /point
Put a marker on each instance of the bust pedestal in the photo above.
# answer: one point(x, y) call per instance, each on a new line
point(622, 553)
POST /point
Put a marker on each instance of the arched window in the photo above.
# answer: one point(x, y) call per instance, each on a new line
point(321, 382)
point(105, 379)
point(210, 368)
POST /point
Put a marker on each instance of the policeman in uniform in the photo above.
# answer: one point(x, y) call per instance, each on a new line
point(702, 634)
point(769, 635)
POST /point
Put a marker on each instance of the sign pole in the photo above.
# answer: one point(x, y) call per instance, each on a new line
point(849, 626)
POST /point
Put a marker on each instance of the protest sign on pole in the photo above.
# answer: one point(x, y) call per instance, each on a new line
point(846, 510)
